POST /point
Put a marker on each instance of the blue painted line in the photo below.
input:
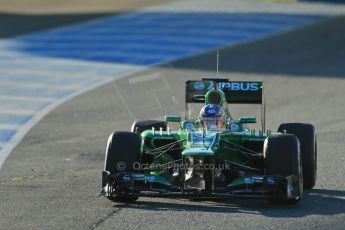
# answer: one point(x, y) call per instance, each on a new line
point(14, 119)
point(153, 18)
point(109, 39)
point(143, 38)
point(6, 135)
point(189, 30)
point(22, 104)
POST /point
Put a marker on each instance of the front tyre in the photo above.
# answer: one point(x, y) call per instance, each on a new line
point(307, 138)
point(283, 157)
point(123, 152)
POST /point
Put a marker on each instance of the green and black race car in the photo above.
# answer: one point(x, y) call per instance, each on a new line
point(212, 154)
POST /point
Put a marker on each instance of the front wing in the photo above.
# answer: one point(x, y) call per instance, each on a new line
point(148, 185)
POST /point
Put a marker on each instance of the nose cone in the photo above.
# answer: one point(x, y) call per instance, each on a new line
point(198, 151)
point(201, 144)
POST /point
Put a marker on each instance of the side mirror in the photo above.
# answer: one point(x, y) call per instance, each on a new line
point(245, 120)
point(199, 98)
point(172, 118)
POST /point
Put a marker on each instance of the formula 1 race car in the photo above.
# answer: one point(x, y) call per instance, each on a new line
point(212, 154)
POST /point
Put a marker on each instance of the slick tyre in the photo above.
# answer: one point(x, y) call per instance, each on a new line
point(283, 157)
point(141, 126)
point(123, 152)
point(307, 138)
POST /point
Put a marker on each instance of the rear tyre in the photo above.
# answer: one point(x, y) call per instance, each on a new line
point(282, 157)
point(123, 151)
point(141, 126)
point(307, 138)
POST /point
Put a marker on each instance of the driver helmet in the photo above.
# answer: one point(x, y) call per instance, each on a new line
point(212, 117)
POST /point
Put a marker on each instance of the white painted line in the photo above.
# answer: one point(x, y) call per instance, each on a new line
point(131, 115)
point(57, 64)
point(17, 112)
point(161, 89)
point(174, 99)
point(143, 78)
point(25, 98)
point(235, 6)
point(38, 85)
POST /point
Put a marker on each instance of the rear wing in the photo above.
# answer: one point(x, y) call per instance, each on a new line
point(236, 92)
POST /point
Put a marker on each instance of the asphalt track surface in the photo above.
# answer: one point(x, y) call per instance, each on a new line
point(52, 178)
